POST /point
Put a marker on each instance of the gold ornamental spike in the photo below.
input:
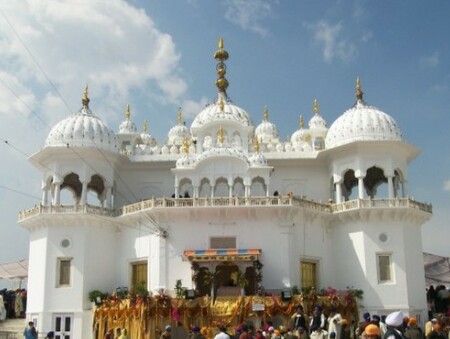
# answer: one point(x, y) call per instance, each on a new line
point(221, 104)
point(145, 126)
point(301, 122)
point(185, 145)
point(316, 106)
point(85, 100)
point(128, 112)
point(266, 114)
point(221, 135)
point(221, 55)
point(255, 144)
point(180, 116)
point(359, 93)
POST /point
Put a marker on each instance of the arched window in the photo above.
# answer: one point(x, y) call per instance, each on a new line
point(221, 188)
point(204, 190)
point(96, 190)
point(258, 187)
point(375, 183)
point(350, 182)
point(71, 189)
point(185, 189)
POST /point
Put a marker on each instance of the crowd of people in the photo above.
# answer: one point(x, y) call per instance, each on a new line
point(331, 325)
point(12, 303)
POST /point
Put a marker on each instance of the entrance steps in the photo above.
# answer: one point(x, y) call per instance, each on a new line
point(12, 328)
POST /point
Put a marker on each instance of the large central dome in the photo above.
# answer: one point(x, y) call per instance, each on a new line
point(362, 123)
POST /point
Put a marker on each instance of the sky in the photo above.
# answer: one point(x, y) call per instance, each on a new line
point(157, 56)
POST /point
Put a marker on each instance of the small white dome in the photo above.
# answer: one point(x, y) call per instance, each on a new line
point(317, 121)
point(127, 126)
point(82, 129)
point(257, 160)
point(361, 123)
point(267, 131)
point(177, 134)
point(221, 110)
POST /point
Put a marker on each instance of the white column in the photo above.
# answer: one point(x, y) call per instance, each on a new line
point(108, 196)
point(57, 191)
point(230, 190)
point(84, 189)
point(338, 192)
point(361, 187)
point(176, 192)
point(157, 266)
point(212, 191)
point(390, 187)
point(44, 193)
point(195, 192)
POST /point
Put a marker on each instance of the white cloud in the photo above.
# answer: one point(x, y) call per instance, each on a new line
point(446, 185)
point(248, 14)
point(114, 46)
point(333, 43)
point(431, 60)
point(192, 108)
point(111, 45)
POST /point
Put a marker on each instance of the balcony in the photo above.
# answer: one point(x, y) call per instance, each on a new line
point(234, 202)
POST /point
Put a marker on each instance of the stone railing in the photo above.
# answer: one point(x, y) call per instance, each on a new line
point(65, 209)
point(230, 202)
point(381, 203)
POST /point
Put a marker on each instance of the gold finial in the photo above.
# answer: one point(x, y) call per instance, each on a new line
point(185, 145)
point(221, 104)
point(221, 135)
point(266, 113)
point(221, 55)
point(180, 117)
point(145, 126)
point(359, 92)
point(300, 121)
point(255, 144)
point(85, 100)
point(128, 112)
point(316, 106)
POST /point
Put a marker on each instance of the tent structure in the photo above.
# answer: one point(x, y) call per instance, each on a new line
point(437, 269)
point(17, 270)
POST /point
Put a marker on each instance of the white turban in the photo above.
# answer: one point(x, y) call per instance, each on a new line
point(395, 319)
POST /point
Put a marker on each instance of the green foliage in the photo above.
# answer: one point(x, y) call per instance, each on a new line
point(97, 296)
point(295, 290)
point(140, 289)
point(179, 289)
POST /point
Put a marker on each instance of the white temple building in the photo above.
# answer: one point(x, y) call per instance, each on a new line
point(329, 207)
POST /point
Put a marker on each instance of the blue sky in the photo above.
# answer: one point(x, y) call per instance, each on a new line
point(157, 56)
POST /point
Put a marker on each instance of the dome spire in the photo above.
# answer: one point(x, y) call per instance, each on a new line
point(180, 116)
point(255, 144)
point(145, 126)
point(221, 55)
point(359, 93)
point(85, 100)
point(316, 107)
point(301, 122)
point(128, 112)
point(266, 114)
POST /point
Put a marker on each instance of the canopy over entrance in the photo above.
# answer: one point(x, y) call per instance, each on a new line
point(222, 255)
point(437, 269)
point(17, 270)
